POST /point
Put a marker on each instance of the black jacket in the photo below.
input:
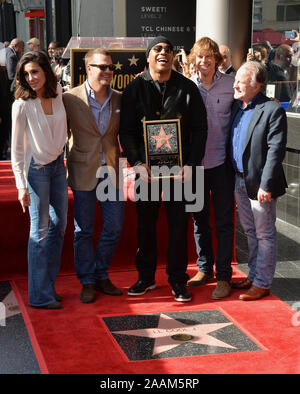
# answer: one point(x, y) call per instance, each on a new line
point(264, 149)
point(143, 100)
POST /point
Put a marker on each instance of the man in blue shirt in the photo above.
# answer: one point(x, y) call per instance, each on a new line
point(258, 142)
point(93, 112)
point(216, 90)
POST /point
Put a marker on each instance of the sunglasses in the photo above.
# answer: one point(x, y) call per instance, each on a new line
point(104, 67)
point(159, 48)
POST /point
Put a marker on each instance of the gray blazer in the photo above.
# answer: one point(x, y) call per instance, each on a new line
point(11, 66)
point(265, 148)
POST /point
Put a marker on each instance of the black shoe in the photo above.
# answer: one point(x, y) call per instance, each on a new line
point(181, 292)
point(140, 287)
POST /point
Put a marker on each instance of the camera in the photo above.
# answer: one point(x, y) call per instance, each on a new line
point(289, 34)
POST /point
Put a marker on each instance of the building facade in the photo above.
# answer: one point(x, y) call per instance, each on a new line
point(239, 24)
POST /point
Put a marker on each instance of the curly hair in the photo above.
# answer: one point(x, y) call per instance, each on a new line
point(206, 43)
point(23, 90)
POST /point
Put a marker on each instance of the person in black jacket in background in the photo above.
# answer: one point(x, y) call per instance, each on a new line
point(159, 94)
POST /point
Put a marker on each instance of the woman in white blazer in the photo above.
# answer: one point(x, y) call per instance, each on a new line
point(39, 131)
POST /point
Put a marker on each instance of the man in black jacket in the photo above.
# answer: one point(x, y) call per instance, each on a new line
point(162, 94)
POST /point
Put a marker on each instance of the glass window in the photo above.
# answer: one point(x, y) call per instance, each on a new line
point(257, 13)
point(280, 13)
point(292, 12)
point(275, 43)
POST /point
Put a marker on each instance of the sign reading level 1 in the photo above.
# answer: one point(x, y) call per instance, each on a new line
point(173, 19)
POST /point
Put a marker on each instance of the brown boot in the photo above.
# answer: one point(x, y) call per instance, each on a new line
point(107, 287)
point(87, 293)
point(254, 293)
point(200, 279)
point(222, 290)
point(244, 284)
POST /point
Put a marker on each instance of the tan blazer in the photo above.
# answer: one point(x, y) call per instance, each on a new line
point(85, 143)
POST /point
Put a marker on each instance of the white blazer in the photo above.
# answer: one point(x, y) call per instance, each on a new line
point(33, 137)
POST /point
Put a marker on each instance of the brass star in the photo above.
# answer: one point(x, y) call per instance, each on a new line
point(133, 61)
point(118, 66)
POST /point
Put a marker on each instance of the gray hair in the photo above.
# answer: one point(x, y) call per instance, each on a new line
point(258, 73)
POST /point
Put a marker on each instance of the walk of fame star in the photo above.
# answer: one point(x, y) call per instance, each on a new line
point(177, 334)
point(171, 333)
point(162, 139)
point(11, 305)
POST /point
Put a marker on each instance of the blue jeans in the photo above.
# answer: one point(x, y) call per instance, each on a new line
point(88, 264)
point(258, 222)
point(219, 184)
point(48, 208)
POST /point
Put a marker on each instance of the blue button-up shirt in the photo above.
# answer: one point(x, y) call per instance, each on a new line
point(101, 112)
point(239, 132)
point(218, 99)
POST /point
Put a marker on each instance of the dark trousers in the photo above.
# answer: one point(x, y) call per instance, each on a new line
point(219, 184)
point(177, 257)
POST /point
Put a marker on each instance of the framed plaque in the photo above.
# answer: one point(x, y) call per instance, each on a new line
point(163, 147)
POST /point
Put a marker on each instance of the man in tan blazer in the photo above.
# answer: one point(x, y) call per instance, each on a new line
point(93, 113)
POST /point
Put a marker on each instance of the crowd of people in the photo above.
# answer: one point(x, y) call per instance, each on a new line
point(227, 125)
point(14, 51)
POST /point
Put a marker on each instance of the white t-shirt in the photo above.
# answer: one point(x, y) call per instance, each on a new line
point(34, 136)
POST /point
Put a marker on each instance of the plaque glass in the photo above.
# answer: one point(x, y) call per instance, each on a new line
point(163, 147)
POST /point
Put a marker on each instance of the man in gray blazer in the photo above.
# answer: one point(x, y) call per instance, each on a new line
point(258, 143)
point(13, 54)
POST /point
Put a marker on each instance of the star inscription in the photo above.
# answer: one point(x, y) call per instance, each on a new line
point(133, 61)
point(171, 333)
point(118, 66)
point(162, 139)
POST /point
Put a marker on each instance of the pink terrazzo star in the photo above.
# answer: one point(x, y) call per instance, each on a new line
point(162, 139)
point(169, 329)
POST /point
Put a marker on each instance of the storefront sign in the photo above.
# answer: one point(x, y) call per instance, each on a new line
point(173, 19)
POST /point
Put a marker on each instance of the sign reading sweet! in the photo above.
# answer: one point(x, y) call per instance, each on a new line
point(150, 18)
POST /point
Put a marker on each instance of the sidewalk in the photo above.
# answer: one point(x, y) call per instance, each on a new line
point(286, 283)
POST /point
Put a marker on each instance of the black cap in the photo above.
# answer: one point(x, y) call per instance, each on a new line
point(156, 41)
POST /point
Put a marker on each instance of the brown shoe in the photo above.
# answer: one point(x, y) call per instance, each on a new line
point(200, 279)
point(53, 305)
point(242, 285)
point(254, 293)
point(107, 287)
point(87, 293)
point(222, 290)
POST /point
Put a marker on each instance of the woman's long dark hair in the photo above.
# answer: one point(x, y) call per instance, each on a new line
point(23, 90)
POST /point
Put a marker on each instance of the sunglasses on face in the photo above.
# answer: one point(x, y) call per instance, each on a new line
point(159, 48)
point(104, 67)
